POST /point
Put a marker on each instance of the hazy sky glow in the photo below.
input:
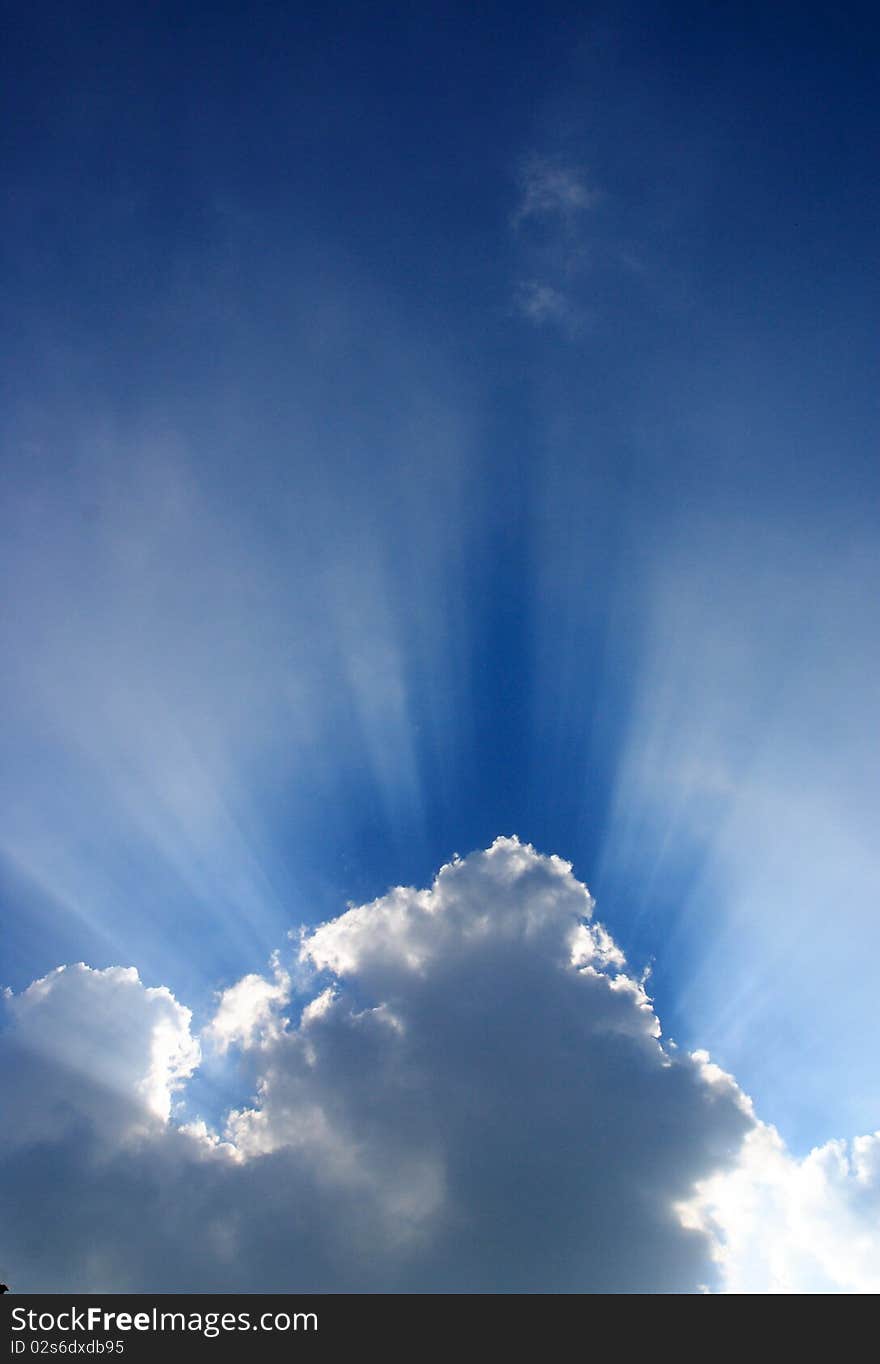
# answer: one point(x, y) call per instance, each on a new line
point(424, 426)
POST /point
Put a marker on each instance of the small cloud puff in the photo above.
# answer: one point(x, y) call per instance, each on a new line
point(248, 1013)
point(544, 303)
point(549, 223)
point(550, 188)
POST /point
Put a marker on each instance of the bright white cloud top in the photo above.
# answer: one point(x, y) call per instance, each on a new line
point(459, 1088)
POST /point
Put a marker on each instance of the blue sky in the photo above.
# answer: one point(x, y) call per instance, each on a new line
point(424, 425)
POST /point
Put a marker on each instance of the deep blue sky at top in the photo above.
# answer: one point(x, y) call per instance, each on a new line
point(327, 557)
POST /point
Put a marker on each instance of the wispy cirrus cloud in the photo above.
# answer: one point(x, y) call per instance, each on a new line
point(542, 303)
point(553, 189)
point(550, 223)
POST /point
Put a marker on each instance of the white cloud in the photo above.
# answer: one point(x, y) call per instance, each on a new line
point(781, 1225)
point(98, 1032)
point(248, 1013)
point(507, 893)
point(476, 1097)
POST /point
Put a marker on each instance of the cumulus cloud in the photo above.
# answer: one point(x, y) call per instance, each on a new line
point(781, 1225)
point(249, 1011)
point(473, 1094)
point(96, 1032)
